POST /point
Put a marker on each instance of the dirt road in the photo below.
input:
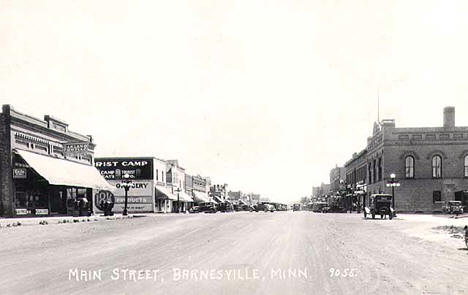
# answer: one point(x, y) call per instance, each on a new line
point(229, 253)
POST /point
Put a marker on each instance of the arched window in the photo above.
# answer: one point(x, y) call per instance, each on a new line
point(409, 167)
point(466, 166)
point(436, 166)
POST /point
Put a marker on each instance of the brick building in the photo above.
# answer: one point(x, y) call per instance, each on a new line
point(356, 171)
point(431, 164)
point(45, 168)
point(337, 178)
point(175, 180)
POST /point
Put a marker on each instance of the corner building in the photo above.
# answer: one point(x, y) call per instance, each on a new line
point(431, 164)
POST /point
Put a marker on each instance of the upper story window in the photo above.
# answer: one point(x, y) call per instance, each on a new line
point(437, 166)
point(409, 167)
point(370, 173)
point(466, 166)
point(380, 169)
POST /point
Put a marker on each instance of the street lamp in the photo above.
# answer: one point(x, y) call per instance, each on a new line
point(178, 190)
point(126, 184)
point(393, 183)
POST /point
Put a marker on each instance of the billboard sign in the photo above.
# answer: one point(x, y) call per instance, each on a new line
point(140, 196)
point(115, 168)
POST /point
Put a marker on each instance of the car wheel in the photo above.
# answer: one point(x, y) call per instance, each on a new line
point(390, 215)
point(373, 215)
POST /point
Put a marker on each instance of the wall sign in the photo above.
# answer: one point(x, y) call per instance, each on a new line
point(19, 173)
point(136, 168)
point(75, 148)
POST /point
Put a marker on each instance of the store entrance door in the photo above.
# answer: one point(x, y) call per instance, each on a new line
point(58, 201)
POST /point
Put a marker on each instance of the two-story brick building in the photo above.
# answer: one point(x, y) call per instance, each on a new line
point(431, 164)
point(45, 168)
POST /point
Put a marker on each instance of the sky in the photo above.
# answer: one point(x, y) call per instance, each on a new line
point(266, 96)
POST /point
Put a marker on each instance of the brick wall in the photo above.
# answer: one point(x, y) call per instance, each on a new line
point(6, 178)
point(417, 194)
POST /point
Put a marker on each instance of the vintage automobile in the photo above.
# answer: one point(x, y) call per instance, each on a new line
point(208, 207)
point(453, 207)
point(320, 207)
point(195, 209)
point(379, 204)
point(265, 207)
point(296, 207)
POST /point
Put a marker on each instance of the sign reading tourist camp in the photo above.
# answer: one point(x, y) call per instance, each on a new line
point(116, 168)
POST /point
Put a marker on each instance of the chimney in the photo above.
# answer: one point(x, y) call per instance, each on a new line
point(449, 117)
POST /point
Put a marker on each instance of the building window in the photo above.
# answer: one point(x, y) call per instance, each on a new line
point(466, 166)
point(380, 169)
point(436, 196)
point(437, 166)
point(374, 171)
point(370, 173)
point(157, 174)
point(409, 167)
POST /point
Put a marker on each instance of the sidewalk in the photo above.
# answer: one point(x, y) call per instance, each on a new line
point(25, 221)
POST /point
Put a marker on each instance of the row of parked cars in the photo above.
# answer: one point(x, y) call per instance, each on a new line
point(227, 207)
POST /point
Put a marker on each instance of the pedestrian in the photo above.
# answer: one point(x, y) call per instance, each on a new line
point(466, 236)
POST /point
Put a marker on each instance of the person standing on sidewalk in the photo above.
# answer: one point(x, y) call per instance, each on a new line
point(466, 235)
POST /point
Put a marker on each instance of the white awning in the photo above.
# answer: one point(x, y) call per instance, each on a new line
point(167, 192)
point(64, 172)
point(201, 197)
point(183, 197)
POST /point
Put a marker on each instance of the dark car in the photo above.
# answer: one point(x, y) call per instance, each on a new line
point(296, 207)
point(195, 209)
point(320, 207)
point(453, 207)
point(208, 207)
point(379, 204)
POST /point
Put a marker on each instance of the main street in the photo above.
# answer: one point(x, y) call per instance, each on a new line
point(232, 253)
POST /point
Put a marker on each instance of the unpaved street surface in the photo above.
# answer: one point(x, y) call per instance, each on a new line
point(233, 253)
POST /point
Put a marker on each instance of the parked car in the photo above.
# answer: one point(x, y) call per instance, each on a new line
point(453, 207)
point(296, 207)
point(264, 207)
point(320, 207)
point(195, 209)
point(379, 204)
point(208, 207)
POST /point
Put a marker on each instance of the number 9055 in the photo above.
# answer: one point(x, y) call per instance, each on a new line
point(343, 273)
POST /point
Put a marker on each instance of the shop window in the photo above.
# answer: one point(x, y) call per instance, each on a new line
point(21, 200)
point(409, 167)
point(437, 166)
point(436, 196)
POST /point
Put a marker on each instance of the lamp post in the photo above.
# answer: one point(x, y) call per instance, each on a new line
point(178, 190)
point(126, 183)
point(393, 183)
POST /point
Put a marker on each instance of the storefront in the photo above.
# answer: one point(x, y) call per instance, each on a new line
point(164, 199)
point(45, 168)
point(139, 172)
point(49, 186)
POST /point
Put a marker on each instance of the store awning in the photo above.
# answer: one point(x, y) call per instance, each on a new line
point(200, 197)
point(184, 197)
point(166, 192)
point(217, 199)
point(242, 202)
point(64, 172)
